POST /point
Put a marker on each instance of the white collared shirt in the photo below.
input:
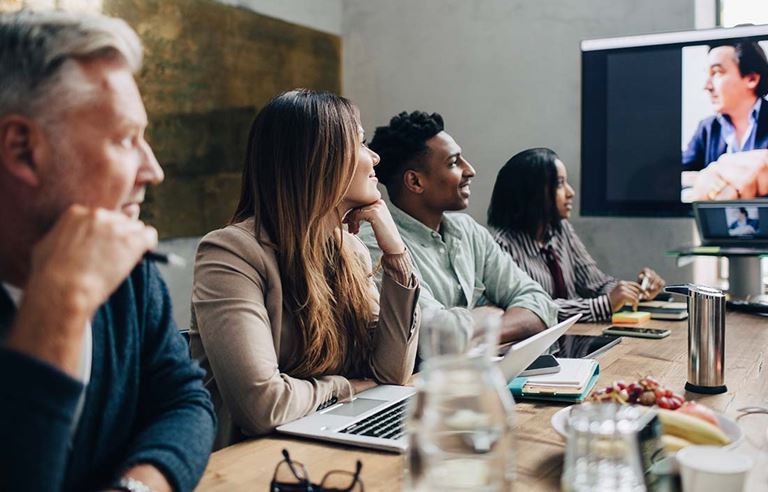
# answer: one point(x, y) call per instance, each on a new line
point(728, 132)
point(86, 357)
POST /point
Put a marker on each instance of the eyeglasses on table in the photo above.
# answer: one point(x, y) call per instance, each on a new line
point(291, 476)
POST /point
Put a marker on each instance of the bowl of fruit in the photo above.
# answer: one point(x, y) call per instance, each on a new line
point(684, 422)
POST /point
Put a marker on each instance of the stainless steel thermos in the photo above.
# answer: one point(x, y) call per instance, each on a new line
point(706, 337)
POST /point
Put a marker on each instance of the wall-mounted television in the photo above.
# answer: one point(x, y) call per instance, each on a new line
point(660, 115)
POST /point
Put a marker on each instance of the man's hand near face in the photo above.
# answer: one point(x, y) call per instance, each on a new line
point(75, 268)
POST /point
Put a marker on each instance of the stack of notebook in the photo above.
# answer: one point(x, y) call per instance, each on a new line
point(662, 309)
point(572, 383)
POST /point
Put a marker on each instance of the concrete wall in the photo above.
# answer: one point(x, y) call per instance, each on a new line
point(505, 74)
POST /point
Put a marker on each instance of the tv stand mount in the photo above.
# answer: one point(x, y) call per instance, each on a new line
point(745, 276)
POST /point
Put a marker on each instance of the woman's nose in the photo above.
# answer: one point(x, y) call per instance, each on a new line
point(376, 158)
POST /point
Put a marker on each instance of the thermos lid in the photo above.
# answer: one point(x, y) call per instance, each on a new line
point(691, 289)
point(707, 291)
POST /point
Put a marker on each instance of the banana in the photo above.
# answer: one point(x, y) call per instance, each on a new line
point(673, 444)
point(693, 429)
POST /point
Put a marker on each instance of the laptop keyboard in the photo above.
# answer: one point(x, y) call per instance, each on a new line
point(388, 423)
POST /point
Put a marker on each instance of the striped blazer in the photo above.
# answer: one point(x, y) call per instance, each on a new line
point(587, 285)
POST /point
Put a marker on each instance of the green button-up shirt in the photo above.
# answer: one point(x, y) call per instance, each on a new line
point(462, 267)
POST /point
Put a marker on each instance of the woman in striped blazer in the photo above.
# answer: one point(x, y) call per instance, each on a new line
point(529, 211)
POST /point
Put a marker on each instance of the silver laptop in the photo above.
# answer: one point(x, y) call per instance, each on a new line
point(737, 223)
point(375, 418)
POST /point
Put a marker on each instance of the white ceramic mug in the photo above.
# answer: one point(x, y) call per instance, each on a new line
point(713, 469)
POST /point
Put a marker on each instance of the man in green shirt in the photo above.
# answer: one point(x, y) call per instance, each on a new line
point(461, 267)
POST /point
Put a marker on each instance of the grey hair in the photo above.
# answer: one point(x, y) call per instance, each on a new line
point(39, 51)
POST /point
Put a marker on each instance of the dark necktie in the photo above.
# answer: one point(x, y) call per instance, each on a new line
point(553, 263)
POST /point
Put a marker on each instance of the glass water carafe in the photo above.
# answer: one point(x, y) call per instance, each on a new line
point(460, 421)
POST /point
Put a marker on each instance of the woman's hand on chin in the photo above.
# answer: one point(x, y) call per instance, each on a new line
point(384, 228)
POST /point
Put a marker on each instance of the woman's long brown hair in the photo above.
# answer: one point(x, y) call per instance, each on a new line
point(301, 157)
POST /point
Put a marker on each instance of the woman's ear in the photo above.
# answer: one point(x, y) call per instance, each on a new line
point(413, 181)
point(18, 137)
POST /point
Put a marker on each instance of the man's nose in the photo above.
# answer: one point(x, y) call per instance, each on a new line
point(150, 171)
point(469, 171)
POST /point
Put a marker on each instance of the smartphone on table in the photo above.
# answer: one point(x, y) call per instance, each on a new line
point(636, 331)
point(544, 364)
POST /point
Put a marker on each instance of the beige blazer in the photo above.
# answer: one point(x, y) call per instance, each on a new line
point(241, 333)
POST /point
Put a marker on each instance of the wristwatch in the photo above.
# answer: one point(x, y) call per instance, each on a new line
point(130, 484)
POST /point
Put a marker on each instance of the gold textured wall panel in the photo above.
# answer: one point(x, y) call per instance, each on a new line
point(208, 68)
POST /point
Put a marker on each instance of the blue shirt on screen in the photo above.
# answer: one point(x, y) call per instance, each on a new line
point(715, 136)
point(728, 133)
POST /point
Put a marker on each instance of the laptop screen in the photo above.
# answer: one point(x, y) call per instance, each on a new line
point(742, 222)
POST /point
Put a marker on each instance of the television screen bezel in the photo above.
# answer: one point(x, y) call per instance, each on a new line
point(593, 188)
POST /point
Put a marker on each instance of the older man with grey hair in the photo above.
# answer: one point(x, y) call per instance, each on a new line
point(98, 390)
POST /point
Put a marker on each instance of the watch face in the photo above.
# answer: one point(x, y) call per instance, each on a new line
point(130, 484)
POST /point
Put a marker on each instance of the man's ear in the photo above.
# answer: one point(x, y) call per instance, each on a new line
point(18, 137)
point(753, 79)
point(413, 181)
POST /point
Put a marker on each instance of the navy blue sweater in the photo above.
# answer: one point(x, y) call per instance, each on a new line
point(145, 402)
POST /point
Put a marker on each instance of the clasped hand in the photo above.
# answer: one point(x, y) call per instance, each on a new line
point(735, 175)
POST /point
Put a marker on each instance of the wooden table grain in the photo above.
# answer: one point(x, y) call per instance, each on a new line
point(248, 466)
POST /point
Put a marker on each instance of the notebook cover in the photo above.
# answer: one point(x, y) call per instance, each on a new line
point(516, 387)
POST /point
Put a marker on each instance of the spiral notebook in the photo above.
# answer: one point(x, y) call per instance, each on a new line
point(573, 383)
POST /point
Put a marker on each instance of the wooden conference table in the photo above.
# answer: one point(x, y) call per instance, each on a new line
point(249, 466)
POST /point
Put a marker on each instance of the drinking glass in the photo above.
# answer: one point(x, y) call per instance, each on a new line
point(602, 453)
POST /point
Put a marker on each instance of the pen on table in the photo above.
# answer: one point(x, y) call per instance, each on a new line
point(170, 259)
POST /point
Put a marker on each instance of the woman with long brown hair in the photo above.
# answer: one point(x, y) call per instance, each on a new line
point(285, 314)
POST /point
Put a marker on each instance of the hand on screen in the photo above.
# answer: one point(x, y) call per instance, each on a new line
point(688, 178)
point(746, 171)
point(734, 176)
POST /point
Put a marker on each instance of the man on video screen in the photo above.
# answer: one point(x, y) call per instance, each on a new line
point(728, 148)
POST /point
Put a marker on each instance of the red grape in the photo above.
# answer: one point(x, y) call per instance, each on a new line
point(647, 391)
